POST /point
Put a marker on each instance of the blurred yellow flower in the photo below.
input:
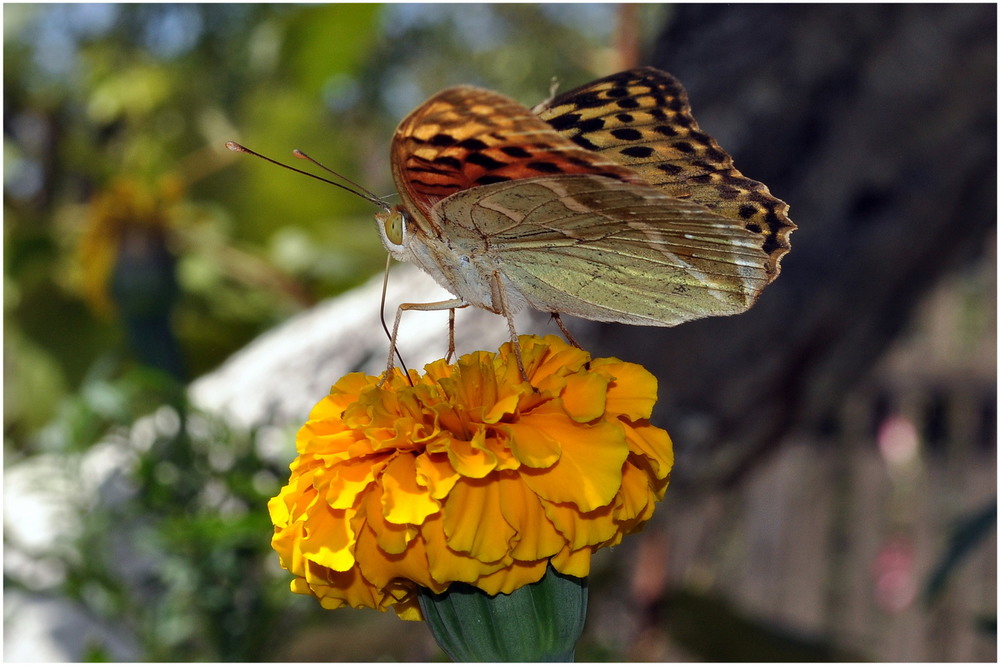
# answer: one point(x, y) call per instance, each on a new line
point(125, 211)
point(470, 475)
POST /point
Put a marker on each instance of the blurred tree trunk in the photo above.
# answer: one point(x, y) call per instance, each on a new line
point(877, 124)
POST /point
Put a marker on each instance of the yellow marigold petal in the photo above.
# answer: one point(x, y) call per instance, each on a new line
point(452, 419)
point(286, 542)
point(316, 437)
point(340, 588)
point(581, 530)
point(534, 441)
point(652, 443)
point(536, 537)
point(513, 577)
point(298, 496)
point(550, 357)
point(477, 387)
point(589, 471)
point(437, 474)
point(346, 481)
point(503, 407)
point(404, 501)
point(392, 538)
point(508, 375)
point(636, 496)
point(328, 539)
point(353, 384)
point(573, 562)
point(435, 371)
point(633, 391)
point(277, 506)
point(471, 458)
point(584, 396)
point(328, 411)
point(474, 522)
point(381, 568)
point(409, 609)
point(446, 565)
point(506, 460)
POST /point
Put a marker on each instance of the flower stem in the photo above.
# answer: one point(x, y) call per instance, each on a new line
point(538, 622)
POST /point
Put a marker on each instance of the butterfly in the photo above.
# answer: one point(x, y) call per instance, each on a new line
point(606, 202)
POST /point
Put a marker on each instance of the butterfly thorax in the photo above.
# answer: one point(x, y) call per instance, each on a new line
point(460, 262)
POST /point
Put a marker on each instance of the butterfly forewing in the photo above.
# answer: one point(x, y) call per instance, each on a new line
point(466, 137)
point(641, 118)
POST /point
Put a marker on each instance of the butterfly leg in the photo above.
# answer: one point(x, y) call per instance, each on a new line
point(500, 295)
point(565, 331)
point(450, 304)
point(451, 335)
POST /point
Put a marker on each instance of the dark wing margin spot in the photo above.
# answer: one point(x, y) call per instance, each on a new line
point(442, 140)
point(584, 142)
point(515, 151)
point(448, 161)
point(485, 161)
point(472, 144)
point(591, 125)
point(626, 134)
point(489, 179)
point(564, 121)
point(637, 151)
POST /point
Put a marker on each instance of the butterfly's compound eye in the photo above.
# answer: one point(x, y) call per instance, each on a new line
point(392, 224)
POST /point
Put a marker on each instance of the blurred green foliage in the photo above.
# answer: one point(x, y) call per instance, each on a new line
point(169, 546)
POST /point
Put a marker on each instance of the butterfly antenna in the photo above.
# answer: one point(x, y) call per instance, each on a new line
point(364, 194)
point(385, 327)
point(370, 195)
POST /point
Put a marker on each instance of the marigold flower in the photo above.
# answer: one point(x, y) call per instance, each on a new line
point(470, 475)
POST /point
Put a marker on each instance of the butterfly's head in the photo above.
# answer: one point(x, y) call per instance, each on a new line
point(391, 225)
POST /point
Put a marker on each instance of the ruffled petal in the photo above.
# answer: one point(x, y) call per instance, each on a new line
point(404, 500)
point(536, 538)
point(654, 445)
point(446, 565)
point(474, 522)
point(585, 396)
point(588, 474)
point(534, 442)
point(632, 392)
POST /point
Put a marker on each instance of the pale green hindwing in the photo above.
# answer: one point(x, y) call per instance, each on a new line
point(607, 250)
